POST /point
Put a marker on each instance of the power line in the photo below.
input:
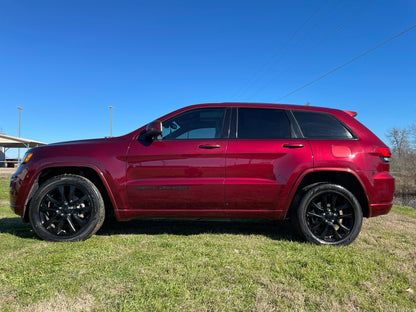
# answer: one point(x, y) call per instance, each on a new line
point(254, 78)
point(337, 29)
point(345, 64)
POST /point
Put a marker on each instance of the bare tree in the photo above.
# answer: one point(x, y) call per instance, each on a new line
point(413, 137)
point(399, 139)
point(403, 163)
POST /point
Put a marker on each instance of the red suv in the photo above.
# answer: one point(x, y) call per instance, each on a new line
point(318, 166)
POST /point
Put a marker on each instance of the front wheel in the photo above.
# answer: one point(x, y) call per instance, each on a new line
point(66, 208)
point(329, 214)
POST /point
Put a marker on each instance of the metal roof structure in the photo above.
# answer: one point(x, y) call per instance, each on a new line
point(9, 141)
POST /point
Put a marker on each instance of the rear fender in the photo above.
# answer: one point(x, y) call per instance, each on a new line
point(306, 179)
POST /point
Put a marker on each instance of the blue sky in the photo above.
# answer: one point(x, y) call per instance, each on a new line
point(65, 62)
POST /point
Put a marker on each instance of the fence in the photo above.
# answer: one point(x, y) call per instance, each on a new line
point(9, 163)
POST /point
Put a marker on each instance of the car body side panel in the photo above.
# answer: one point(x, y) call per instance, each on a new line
point(377, 182)
point(110, 167)
point(259, 173)
point(177, 174)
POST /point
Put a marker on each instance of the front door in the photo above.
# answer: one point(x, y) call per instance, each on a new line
point(185, 168)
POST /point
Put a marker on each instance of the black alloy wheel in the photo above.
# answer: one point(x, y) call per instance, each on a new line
point(66, 208)
point(329, 214)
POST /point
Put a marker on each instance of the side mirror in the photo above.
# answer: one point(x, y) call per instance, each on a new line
point(153, 130)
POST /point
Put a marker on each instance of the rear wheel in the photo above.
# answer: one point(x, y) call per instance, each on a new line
point(66, 208)
point(329, 214)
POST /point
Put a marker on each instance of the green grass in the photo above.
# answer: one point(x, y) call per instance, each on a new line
point(408, 211)
point(208, 266)
point(4, 189)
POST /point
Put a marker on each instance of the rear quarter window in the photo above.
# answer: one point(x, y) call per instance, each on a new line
point(315, 125)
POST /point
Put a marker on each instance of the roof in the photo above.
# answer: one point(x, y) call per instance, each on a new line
point(9, 141)
point(333, 111)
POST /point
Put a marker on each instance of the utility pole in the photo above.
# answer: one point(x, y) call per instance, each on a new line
point(111, 120)
point(20, 116)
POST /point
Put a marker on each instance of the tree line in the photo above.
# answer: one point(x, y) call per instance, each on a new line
point(403, 163)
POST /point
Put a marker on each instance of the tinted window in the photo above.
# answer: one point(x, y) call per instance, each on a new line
point(258, 123)
point(321, 126)
point(196, 124)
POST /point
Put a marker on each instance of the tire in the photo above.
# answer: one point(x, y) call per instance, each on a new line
point(329, 214)
point(66, 208)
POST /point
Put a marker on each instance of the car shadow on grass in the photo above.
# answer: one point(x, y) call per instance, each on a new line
point(16, 227)
point(277, 230)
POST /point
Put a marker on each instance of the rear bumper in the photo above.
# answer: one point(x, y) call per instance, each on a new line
point(380, 209)
point(381, 199)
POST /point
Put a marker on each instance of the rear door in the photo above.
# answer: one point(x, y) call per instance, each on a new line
point(264, 159)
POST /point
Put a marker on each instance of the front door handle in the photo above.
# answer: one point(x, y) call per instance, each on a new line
point(293, 145)
point(209, 146)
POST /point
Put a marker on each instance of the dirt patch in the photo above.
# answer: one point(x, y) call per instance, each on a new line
point(394, 222)
point(62, 303)
point(6, 172)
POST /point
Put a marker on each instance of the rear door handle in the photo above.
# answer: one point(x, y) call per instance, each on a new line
point(293, 145)
point(209, 146)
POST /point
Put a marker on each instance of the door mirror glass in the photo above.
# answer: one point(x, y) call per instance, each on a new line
point(153, 130)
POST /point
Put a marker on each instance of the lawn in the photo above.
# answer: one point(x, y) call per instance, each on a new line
point(208, 266)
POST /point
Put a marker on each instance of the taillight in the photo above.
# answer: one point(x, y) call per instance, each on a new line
point(384, 153)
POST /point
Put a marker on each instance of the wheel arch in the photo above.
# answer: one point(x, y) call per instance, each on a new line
point(347, 179)
point(92, 174)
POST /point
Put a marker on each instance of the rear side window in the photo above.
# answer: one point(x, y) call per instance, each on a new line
point(258, 123)
point(316, 125)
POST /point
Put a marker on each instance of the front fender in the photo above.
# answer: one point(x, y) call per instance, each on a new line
point(34, 178)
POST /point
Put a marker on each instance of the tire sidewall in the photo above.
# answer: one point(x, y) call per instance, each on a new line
point(97, 208)
point(313, 193)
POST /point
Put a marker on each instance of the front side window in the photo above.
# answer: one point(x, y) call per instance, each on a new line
point(205, 123)
point(316, 125)
point(259, 123)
